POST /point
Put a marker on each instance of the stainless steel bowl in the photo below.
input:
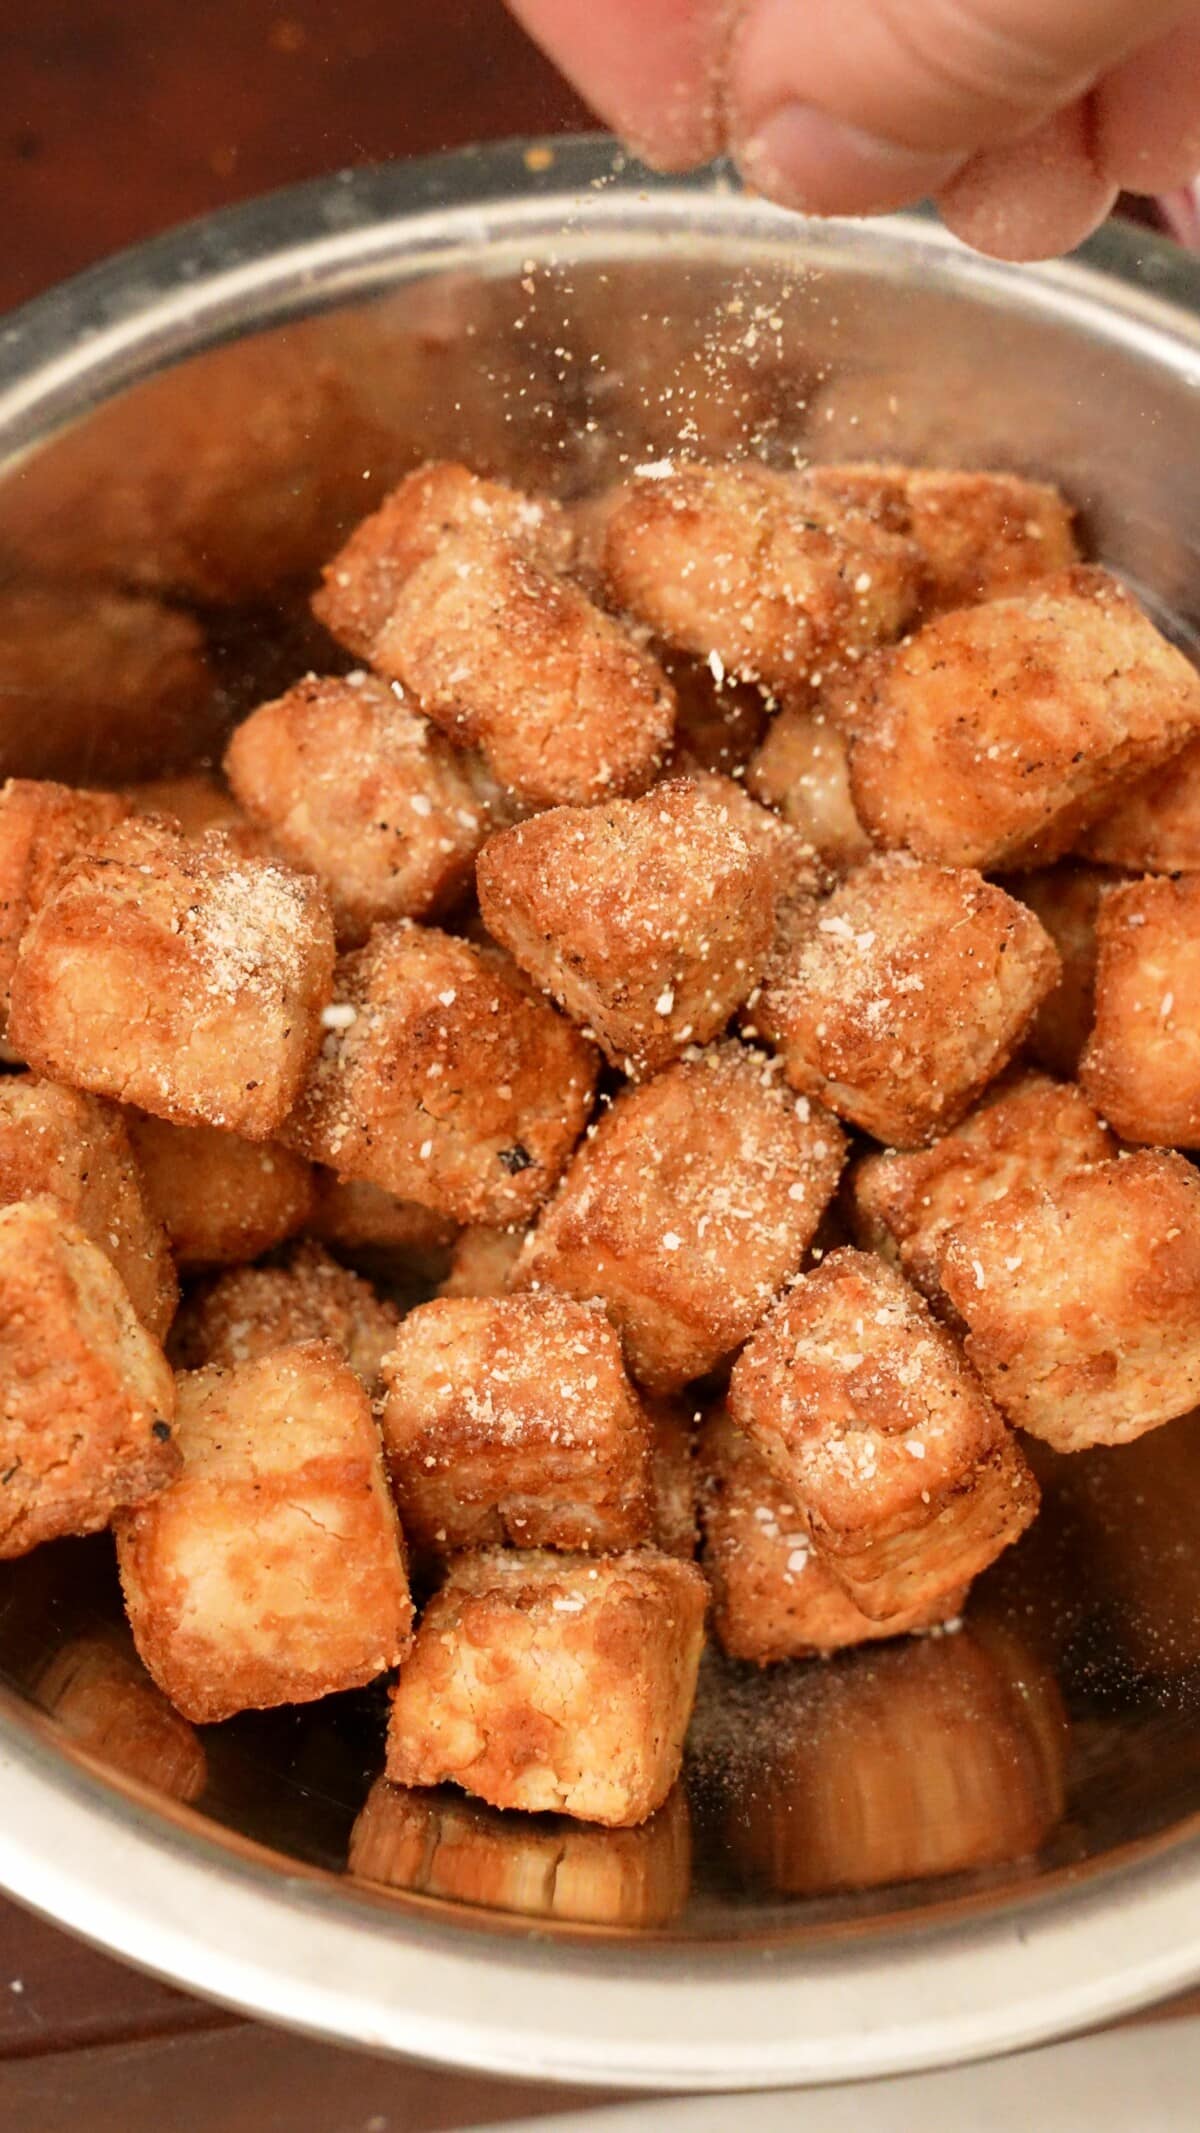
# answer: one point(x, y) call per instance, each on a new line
point(936, 1851)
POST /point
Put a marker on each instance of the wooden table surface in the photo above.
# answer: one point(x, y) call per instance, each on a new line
point(117, 119)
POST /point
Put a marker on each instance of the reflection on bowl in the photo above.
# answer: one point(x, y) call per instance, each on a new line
point(104, 1700)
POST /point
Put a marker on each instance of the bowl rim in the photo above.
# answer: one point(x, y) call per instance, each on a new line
point(219, 1916)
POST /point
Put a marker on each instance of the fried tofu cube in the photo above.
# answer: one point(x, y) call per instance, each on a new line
point(221, 1199)
point(355, 786)
point(482, 1260)
point(511, 1419)
point(105, 1702)
point(995, 734)
point(362, 584)
point(906, 1762)
point(59, 1144)
point(1082, 1300)
point(176, 977)
point(864, 1409)
point(905, 993)
point(42, 826)
point(687, 1208)
point(559, 698)
point(801, 768)
point(196, 802)
point(553, 1683)
point(773, 1598)
point(272, 1570)
point(674, 1479)
point(1028, 1131)
point(440, 1844)
point(87, 1400)
point(734, 561)
point(363, 1223)
point(648, 921)
point(980, 535)
point(1155, 826)
point(254, 1311)
point(442, 1081)
point(1066, 898)
point(1141, 1063)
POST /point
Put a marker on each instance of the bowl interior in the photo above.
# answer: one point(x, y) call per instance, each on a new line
point(162, 515)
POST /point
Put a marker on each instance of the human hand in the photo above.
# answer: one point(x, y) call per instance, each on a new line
point(1022, 118)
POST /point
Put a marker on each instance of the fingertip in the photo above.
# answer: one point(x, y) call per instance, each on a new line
point(1036, 199)
point(804, 159)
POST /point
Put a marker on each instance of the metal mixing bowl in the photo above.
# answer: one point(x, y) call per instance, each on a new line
point(935, 1851)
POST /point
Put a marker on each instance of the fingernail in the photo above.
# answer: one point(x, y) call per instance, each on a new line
point(805, 159)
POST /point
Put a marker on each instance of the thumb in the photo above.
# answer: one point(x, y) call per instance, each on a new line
point(845, 105)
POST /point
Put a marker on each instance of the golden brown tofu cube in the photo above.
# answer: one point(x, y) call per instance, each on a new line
point(482, 1260)
point(559, 698)
point(648, 921)
point(674, 1478)
point(553, 1683)
point(178, 978)
point(928, 1757)
point(1066, 899)
point(355, 786)
point(979, 534)
point(74, 1149)
point(272, 1570)
point(42, 826)
point(511, 1419)
point(871, 1421)
point(905, 993)
point(1028, 1131)
point(1141, 1063)
point(222, 1200)
point(255, 1310)
point(801, 769)
point(365, 1224)
point(687, 1209)
point(773, 1597)
point(362, 584)
point(1082, 1300)
point(1155, 826)
point(737, 562)
point(105, 1702)
point(440, 1844)
point(196, 802)
point(442, 1081)
point(995, 734)
point(87, 1400)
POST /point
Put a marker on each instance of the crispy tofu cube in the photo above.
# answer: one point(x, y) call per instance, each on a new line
point(718, 721)
point(364, 1223)
point(482, 1260)
point(1066, 899)
point(686, 1210)
point(87, 1400)
point(801, 768)
point(905, 993)
point(903, 1763)
point(196, 802)
point(773, 1598)
point(1155, 826)
point(736, 561)
point(74, 1149)
point(42, 826)
point(178, 978)
point(647, 920)
point(1141, 1063)
point(272, 1570)
point(865, 1411)
point(1028, 1131)
point(254, 1311)
point(222, 1200)
point(511, 1419)
point(559, 698)
point(440, 1844)
point(1082, 1300)
point(553, 1683)
point(674, 1479)
point(362, 584)
point(995, 734)
point(105, 1702)
point(795, 867)
point(353, 785)
point(980, 535)
point(442, 1081)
